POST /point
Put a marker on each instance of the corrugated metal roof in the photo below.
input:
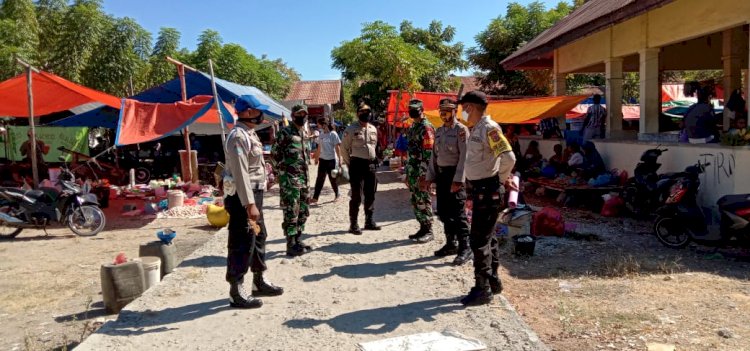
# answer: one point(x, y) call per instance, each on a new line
point(316, 92)
point(591, 17)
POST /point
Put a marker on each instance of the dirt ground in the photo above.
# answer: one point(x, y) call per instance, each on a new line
point(620, 289)
point(613, 287)
point(50, 290)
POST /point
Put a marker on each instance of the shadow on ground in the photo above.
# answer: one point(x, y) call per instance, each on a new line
point(381, 320)
point(137, 323)
point(362, 248)
point(371, 270)
point(205, 262)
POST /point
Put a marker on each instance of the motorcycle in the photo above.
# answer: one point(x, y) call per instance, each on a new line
point(21, 209)
point(681, 220)
point(646, 190)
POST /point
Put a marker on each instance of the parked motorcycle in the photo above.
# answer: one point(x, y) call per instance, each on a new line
point(646, 190)
point(21, 209)
point(681, 220)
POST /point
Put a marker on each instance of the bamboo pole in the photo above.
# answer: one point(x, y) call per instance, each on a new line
point(217, 101)
point(185, 132)
point(29, 86)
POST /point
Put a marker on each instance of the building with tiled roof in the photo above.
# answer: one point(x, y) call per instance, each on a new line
point(322, 97)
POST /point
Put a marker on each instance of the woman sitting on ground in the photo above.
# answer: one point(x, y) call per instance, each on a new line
point(558, 161)
point(532, 159)
point(576, 160)
point(593, 163)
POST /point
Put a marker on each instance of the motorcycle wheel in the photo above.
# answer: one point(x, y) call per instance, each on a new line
point(142, 175)
point(7, 232)
point(671, 233)
point(86, 220)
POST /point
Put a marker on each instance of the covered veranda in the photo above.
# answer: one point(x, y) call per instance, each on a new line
point(651, 37)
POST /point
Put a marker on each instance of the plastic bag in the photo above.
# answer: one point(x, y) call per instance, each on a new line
point(548, 222)
point(612, 205)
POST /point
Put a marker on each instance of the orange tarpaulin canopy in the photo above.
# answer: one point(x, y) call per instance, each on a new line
point(51, 94)
point(141, 122)
point(430, 101)
point(522, 110)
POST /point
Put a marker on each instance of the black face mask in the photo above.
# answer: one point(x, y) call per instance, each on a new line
point(364, 117)
point(300, 120)
point(415, 113)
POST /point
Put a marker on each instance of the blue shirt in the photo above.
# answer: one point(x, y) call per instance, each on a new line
point(328, 142)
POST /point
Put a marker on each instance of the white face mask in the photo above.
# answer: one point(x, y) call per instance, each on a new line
point(465, 115)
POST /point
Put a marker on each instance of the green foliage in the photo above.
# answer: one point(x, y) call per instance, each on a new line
point(120, 58)
point(209, 47)
point(505, 35)
point(437, 39)
point(50, 15)
point(167, 45)
point(19, 32)
point(82, 27)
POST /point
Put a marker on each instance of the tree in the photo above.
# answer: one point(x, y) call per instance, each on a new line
point(505, 35)
point(120, 58)
point(82, 27)
point(20, 35)
point(167, 45)
point(235, 64)
point(50, 15)
point(437, 40)
point(209, 47)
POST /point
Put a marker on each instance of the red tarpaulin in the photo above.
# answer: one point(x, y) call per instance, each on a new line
point(51, 94)
point(431, 101)
point(141, 122)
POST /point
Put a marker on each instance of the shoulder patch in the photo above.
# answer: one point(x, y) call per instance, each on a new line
point(494, 135)
point(428, 140)
point(462, 134)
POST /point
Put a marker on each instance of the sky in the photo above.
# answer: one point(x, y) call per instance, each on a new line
point(303, 33)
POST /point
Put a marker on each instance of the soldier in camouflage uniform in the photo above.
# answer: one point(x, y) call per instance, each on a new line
point(421, 138)
point(290, 159)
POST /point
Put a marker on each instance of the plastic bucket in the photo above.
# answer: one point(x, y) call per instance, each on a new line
point(523, 245)
point(151, 270)
point(175, 198)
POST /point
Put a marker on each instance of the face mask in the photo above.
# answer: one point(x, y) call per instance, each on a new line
point(364, 117)
point(465, 115)
point(300, 120)
point(415, 113)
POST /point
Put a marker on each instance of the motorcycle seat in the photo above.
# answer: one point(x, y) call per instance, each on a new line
point(734, 202)
point(31, 194)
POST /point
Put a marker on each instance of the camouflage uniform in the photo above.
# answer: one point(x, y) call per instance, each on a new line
point(290, 158)
point(421, 138)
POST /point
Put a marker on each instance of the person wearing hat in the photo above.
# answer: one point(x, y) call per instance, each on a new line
point(489, 162)
point(359, 154)
point(244, 184)
point(447, 171)
point(421, 139)
point(290, 161)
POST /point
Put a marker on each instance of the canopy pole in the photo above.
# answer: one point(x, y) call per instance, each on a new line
point(185, 132)
point(217, 101)
point(29, 78)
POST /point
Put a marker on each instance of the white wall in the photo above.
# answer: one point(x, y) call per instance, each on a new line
point(546, 146)
point(729, 172)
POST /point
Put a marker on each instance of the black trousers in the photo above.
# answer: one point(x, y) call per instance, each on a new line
point(325, 168)
point(245, 248)
point(363, 181)
point(486, 199)
point(451, 206)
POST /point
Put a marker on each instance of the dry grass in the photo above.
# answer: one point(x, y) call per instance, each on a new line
point(627, 265)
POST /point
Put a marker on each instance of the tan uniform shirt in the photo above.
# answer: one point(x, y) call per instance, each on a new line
point(359, 142)
point(449, 151)
point(245, 162)
point(489, 153)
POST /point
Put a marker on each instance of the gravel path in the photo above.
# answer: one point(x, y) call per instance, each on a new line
point(351, 289)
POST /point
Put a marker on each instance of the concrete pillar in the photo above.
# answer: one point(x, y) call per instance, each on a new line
point(559, 87)
point(732, 40)
point(650, 91)
point(613, 95)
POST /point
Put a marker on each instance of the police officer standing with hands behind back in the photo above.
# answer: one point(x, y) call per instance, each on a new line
point(244, 184)
point(358, 153)
point(447, 171)
point(489, 163)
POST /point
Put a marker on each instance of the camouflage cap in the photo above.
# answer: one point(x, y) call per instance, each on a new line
point(448, 104)
point(299, 108)
point(415, 104)
point(363, 107)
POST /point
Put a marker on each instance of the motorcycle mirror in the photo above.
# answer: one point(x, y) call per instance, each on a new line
point(62, 159)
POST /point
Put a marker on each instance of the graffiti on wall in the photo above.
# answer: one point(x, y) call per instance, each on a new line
point(720, 165)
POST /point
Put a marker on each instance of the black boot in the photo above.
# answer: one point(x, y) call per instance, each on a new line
point(477, 296)
point(238, 298)
point(263, 288)
point(354, 227)
point(292, 248)
point(298, 241)
point(426, 236)
point(495, 283)
point(449, 248)
point(464, 252)
point(370, 224)
point(419, 233)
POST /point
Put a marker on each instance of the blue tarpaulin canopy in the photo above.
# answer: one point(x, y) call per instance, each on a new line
point(196, 83)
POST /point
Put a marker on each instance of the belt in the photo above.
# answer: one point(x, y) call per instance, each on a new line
point(494, 180)
point(363, 159)
point(443, 169)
